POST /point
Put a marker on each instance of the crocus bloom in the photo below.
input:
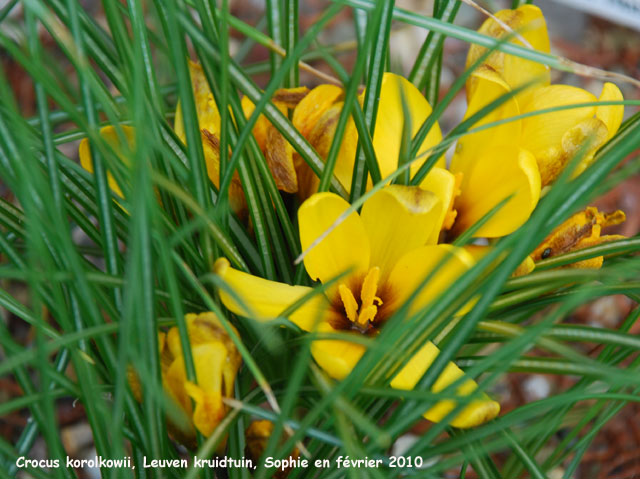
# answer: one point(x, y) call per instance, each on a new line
point(209, 125)
point(110, 135)
point(388, 251)
point(551, 138)
point(216, 362)
point(493, 163)
point(277, 151)
point(581, 231)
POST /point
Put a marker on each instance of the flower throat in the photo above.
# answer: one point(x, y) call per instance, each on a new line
point(362, 315)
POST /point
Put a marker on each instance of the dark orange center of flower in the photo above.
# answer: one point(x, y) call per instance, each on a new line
point(359, 304)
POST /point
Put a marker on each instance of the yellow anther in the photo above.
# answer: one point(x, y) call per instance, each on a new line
point(370, 287)
point(368, 296)
point(349, 302)
point(367, 314)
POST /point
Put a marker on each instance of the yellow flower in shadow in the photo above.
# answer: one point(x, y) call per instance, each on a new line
point(216, 362)
point(388, 251)
point(580, 231)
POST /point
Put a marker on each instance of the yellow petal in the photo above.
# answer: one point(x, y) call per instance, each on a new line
point(290, 97)
point(279, 156)
point(387, 137)
point(277, 151)
point(526, 267)
point(593, 263)
point(475, 413)
point(110, 135)
point(610, 115)
point(528, 21)
point(498, 174)
point(311, 119)
point(542, 134)
point(208, 360)
point(263, 300)
point(205, 328)
point(313, 106)
point(175, 379)
point(588, 135)
point(202, 328)
point(209, 125)
point(489, 87)
point(211, 149)
point(398, 219)
point(345, 248)
point(206, 108)
point(446, 186)
point(414, 267)
point(336, 357)
point(260, 129)
point(321, 138)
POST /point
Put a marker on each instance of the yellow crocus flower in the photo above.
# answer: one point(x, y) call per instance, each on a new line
point(209, 125)
point(110, 135)
point(552, 138)
point(388, 250)
point(534, 150)
point(216, 362)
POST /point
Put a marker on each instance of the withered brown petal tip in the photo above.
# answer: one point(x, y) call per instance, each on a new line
point(211, 139)
point(280, 162)
point(290, 96)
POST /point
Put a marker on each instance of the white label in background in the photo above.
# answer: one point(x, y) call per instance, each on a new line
point(624, 12)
